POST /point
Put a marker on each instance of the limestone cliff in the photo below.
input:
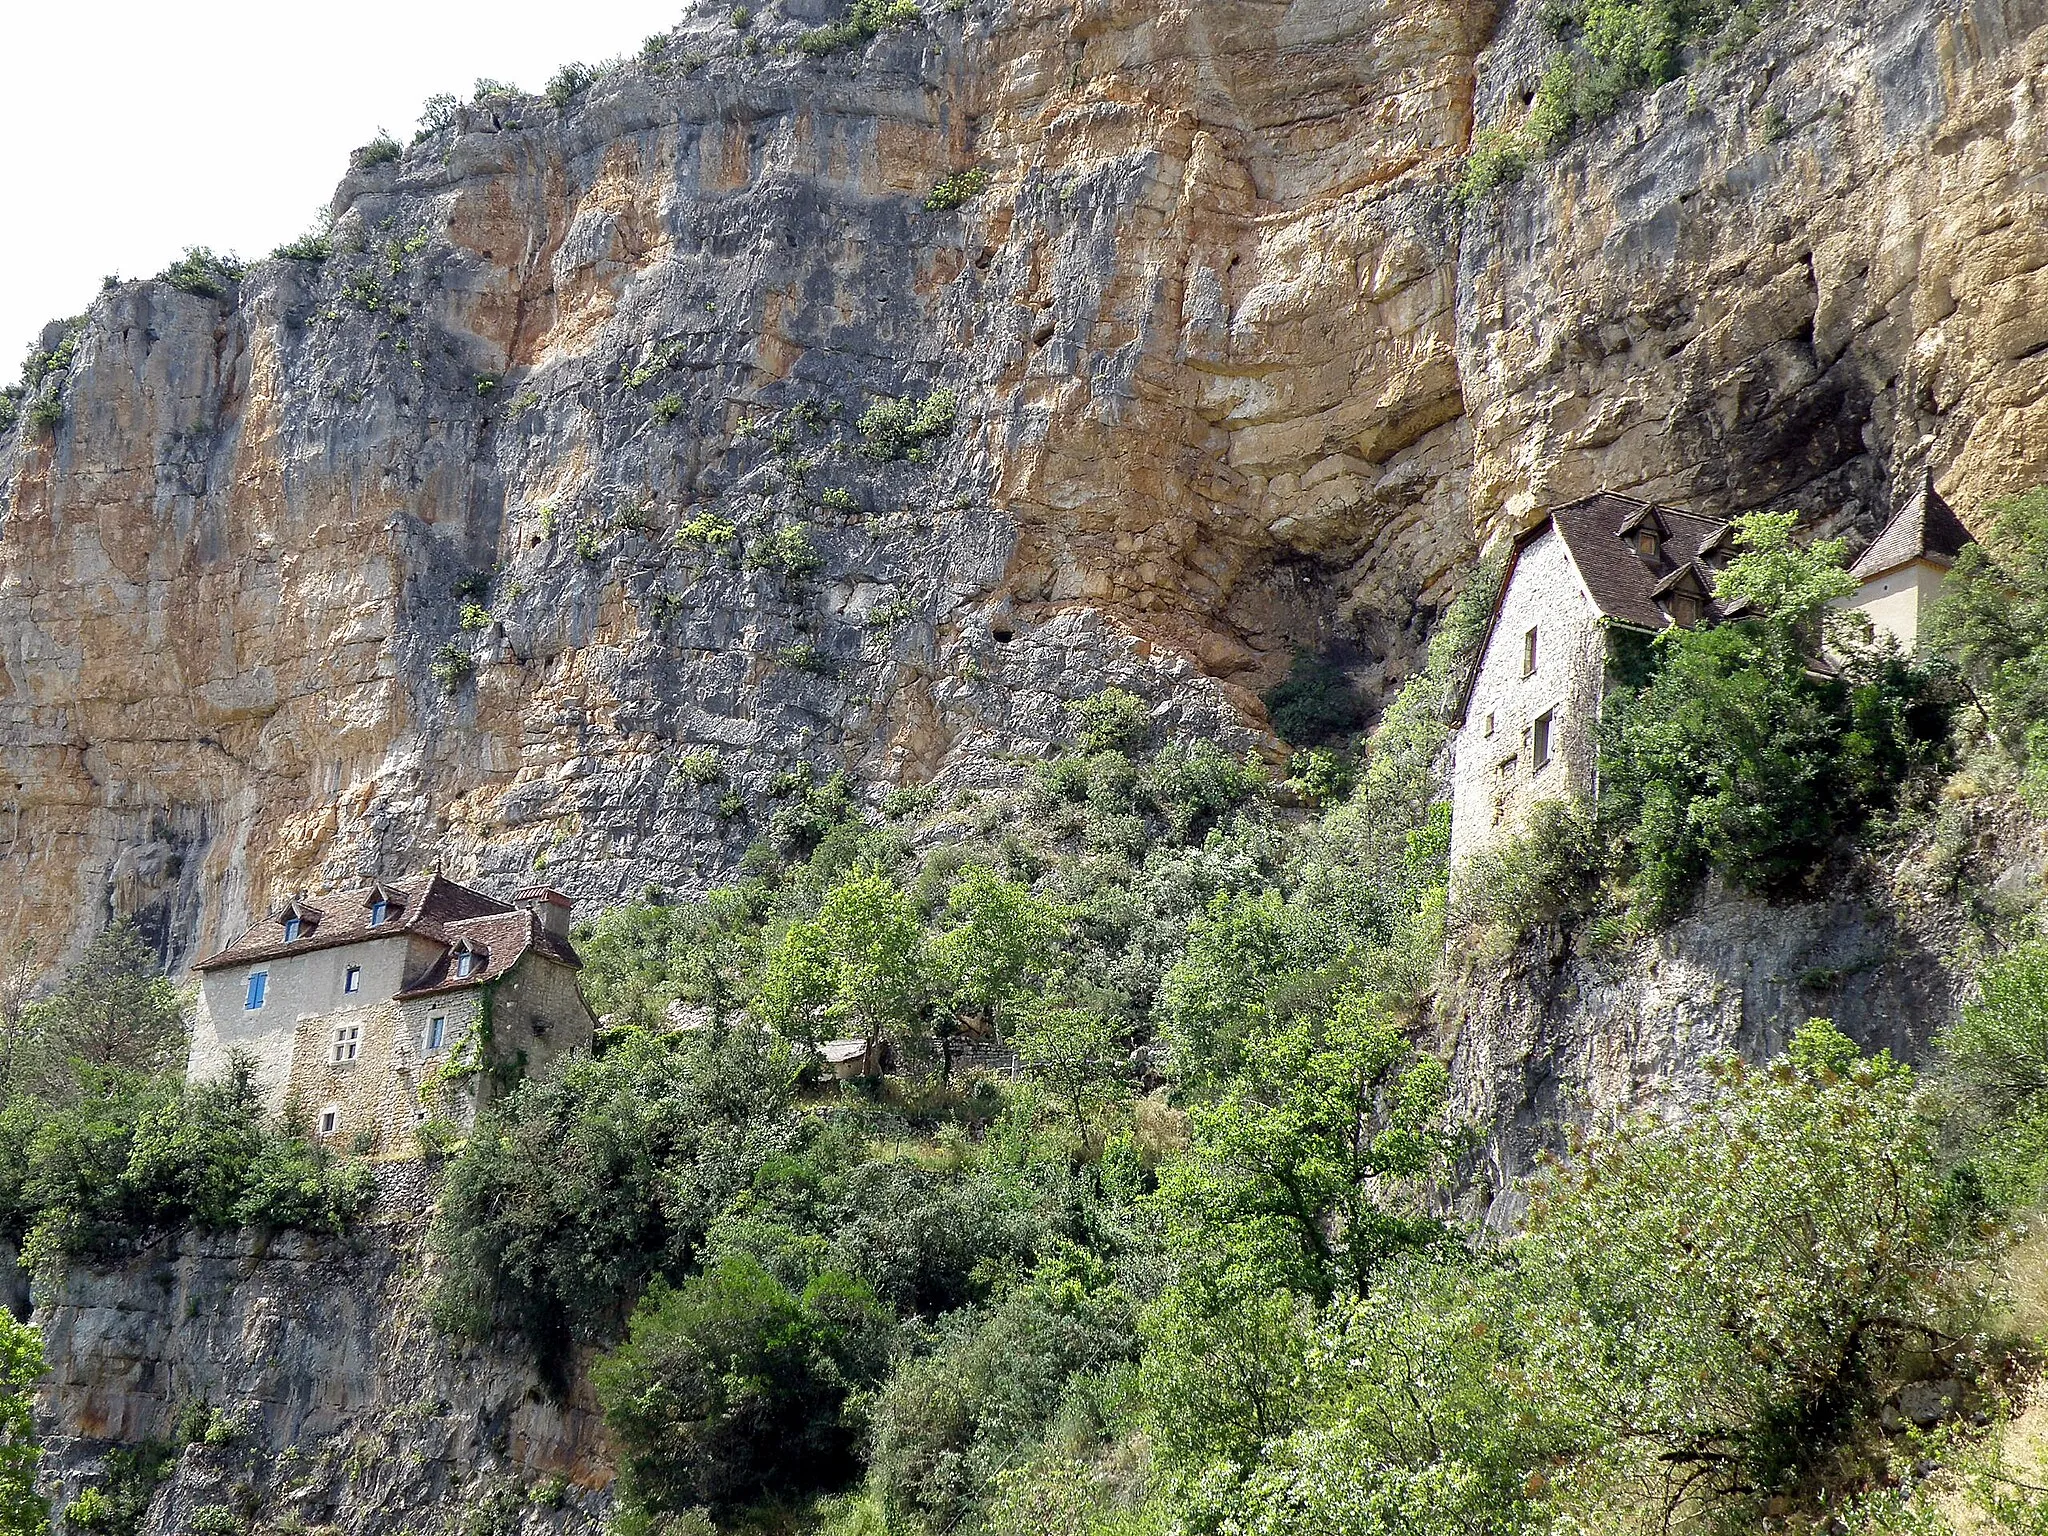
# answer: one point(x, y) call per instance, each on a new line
point(1233, 373)
point(331, 1401)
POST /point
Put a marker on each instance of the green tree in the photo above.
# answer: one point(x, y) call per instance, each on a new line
point(1992, 621)
point(114, 1008)
point(1001, 941)
point(729, 1386)
point(1076, 1054)
point(1307, 1170)
point(1736, 756)
point(862, 965)
point(23, 1511)
point(1719, 1299)
point(586, 1182)
point(1413, 1419)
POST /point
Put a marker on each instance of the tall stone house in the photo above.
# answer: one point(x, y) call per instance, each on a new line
point(1592, 572)
point(367, 1012)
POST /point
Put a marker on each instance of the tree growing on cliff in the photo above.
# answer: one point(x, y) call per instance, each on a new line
point(114, 1009)
point(1737, 755)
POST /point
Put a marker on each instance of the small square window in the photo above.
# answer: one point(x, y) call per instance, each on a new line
point(1540, 742)
point(1529, 652)
point(259, 983)
point(330, 1119)
point(352, 979)
point(347, 1041)
point(437, 1032)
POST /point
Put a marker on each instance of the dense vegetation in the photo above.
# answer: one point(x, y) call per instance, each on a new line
point(1199, 1264)
point(1206, 1259)
point(101, 1139)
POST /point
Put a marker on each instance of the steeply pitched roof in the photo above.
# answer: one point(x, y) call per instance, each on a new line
point(1625, 585)
point(1926, 528)
point(430, 907)
point(503, 937)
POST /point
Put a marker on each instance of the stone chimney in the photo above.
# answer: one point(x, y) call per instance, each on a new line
point(549, 905)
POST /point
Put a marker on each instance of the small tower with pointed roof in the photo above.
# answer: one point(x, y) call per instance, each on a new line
point(1901, 572)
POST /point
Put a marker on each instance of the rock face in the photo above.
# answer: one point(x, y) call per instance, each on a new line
point(1231, 372)
point(331, 1400)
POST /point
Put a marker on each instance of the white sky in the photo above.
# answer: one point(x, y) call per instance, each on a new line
point(138, 128)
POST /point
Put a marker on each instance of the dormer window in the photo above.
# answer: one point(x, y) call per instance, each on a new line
point(1685, 609)
point(380, 909)
point(291, 929)
point(468, 962)
point(1646, 543)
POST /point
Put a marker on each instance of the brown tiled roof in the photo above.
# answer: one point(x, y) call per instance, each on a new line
point(1926, 528)
point(503, 938)
point(431, 906)
point(1623, 584)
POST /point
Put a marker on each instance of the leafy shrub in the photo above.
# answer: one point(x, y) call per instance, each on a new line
point(1549, 868)
point(788, 550)
point(1314, 704)
point(569, 82)
point(200, 271)
point(382, 150)
point(313, 245)
point(1992, 620)
point(1735, 756)
point(1499, 157)
point(439, 111)
point(1319, 776)
point(590, 543)
point(958, 188)
point(586, 1182)
point(475, 616)
point(803, 656)
point(46, 413)
point(710, 528)
point(452, 666)
point(901, 429)
point(1194, 787)
point(667, 408)
point(951, 1422)
point(1723, 1297)
point(837, 499)
point(864, 21)
point(1114, 720)
point(701, 766)
point(729, 1386)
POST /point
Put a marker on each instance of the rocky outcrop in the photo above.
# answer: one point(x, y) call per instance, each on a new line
point(312, 1392)
point(1232, 372)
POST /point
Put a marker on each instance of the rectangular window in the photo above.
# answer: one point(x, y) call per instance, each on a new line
point(1541, 740)
point(347, 1039)
point(291, 929)
point(259, 983)
point(1529, 652)
point(1489, 723)
point(330, 1117)
point(437, 1032)
point(352, 979)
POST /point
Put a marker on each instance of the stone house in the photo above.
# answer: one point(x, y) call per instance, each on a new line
point(369, 1011)
point(1580, 582)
